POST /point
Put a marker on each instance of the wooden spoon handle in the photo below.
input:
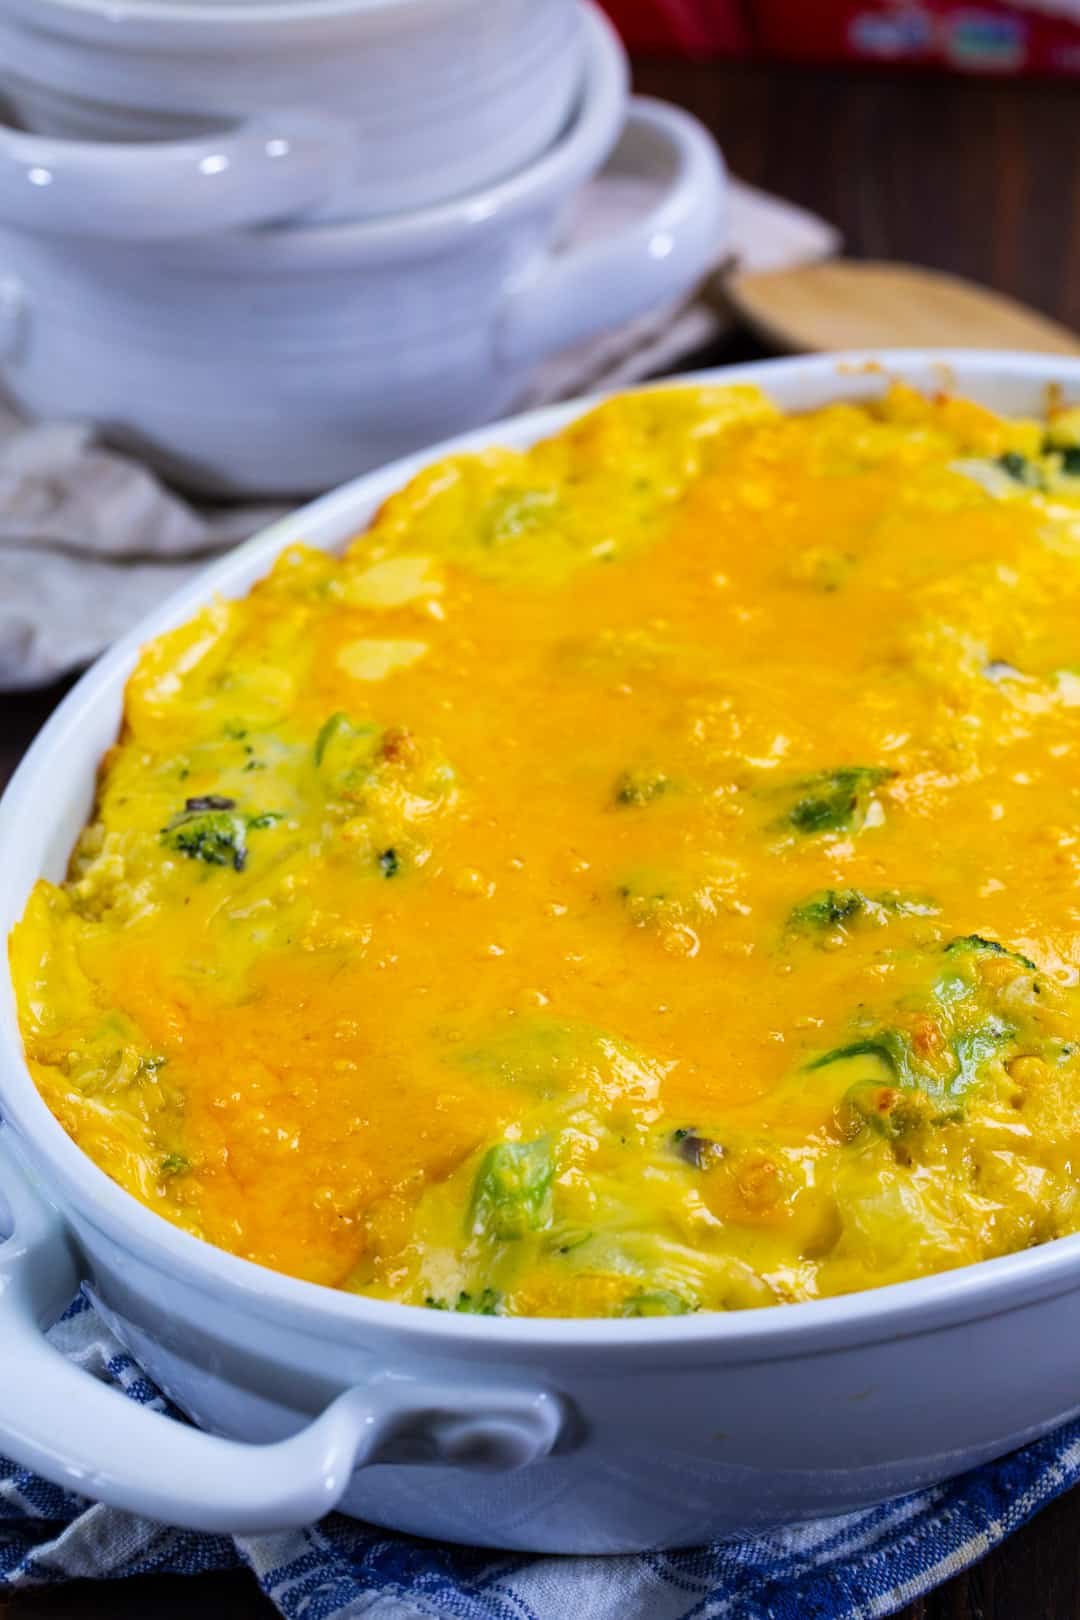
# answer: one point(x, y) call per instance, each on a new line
point(847, 304)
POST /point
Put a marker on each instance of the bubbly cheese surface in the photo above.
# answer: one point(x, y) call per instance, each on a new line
point(641, 875)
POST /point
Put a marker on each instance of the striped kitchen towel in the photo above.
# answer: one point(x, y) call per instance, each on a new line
point(851, 1568)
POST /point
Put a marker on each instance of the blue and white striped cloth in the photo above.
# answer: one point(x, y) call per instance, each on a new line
point(852, 1568)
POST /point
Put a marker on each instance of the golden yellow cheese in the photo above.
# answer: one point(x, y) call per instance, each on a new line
point(642, 875)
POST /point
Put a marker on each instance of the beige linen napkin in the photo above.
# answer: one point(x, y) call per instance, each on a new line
point(90, 540)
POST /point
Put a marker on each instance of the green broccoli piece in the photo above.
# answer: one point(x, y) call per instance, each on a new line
point(485, 1303)
point(828, 909)
point(832, 908)
point(516, 512)
point(659, 1302)
point(973, 1036)
point(551, 1058)
point(972, 1049)
point(210, 829)
point(217, 837)
point(887, 1045)
point(1020, 469)
point(975, 1047)
point(512, 1193)
point(835, 801)
point(976, 942)
point(886, 1110)
point(355, 744)
point(636, 788)
point(327, 731)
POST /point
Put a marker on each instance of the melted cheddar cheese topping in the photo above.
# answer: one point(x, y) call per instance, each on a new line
point(641, 875)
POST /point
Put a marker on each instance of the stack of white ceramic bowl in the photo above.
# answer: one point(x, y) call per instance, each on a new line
point(270, 243)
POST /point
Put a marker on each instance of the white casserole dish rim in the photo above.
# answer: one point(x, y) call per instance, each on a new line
point(970, 1291)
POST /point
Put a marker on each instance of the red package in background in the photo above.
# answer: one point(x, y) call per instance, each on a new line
point(683, 27)
point(972, 36)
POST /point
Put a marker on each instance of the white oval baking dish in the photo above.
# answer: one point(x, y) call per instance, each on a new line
point(570, 1436)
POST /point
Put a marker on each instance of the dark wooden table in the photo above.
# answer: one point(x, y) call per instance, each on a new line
point(972, 176)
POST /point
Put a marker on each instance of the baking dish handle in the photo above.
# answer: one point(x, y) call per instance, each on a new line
point(266, 169)
point(654, 260)
point(83, 1434)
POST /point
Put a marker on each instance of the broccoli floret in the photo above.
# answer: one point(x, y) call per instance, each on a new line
point(828, 909)
point(975, 1047)
point(516, 512)
point(345, 746)
point(976, 942)
point(635, 788)
point(835, 801)
point(327, 731)
point(832, 908)
point(887, 1045)
point(217, 837)
point(886, 1110)
point(485, 1303)
point(959, 1023)
point(659, 1302)
point(1020, 468)
point(211, 829)
point(512, 1192)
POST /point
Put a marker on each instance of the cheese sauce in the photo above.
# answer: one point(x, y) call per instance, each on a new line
point(642, 875)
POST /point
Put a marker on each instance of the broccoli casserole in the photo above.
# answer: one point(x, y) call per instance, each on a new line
point(642, 875)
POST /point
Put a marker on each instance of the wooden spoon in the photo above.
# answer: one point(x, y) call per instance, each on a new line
point(848, 304)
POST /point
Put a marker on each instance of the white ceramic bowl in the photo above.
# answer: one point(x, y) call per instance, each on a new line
point(607, 1435)
point(283, 361)
point(430, 98)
